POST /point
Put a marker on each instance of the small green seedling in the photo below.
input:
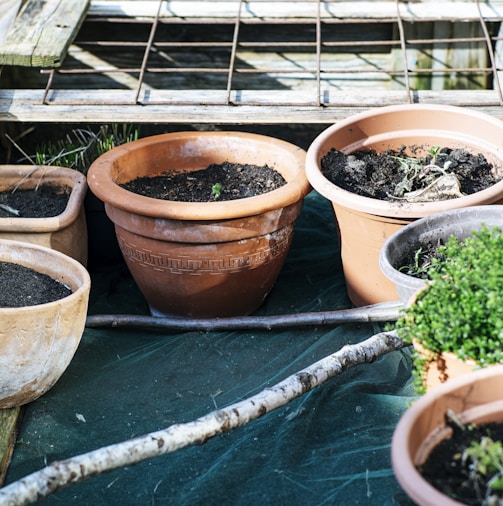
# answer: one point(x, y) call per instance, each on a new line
point(216, 190)
point(484, 459)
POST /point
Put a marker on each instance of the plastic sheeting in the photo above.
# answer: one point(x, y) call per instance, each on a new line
point(330, 446)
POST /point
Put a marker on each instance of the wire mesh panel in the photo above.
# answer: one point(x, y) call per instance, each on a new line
point(249, 61)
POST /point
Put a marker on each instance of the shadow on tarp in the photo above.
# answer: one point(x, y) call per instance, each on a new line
point(331, 446)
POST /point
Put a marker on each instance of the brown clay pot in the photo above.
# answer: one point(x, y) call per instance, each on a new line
point(37, 343)
point(210, 259)
point(476, 397)
point(446, 366)
point(67, 232)
point(364, 223)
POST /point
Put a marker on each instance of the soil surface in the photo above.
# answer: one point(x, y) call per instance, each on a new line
point(22, 286)
point(226, 181)
point(446, 471)
point(416, 263)
point(44, 202)
point(381, 175)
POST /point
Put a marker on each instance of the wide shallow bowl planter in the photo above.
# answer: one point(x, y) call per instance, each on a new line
point(431, 229)
point(210, 259)
point(365, 223)
point(38, 342)
point(476, 397)
point(67, 232)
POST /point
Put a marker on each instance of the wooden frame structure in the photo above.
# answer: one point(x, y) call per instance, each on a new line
point(256, 61)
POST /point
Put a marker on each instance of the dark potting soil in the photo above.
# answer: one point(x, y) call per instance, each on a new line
point(45, 201)
point(446, 471)
point(378, 175)
point(226, 181)
point(22, 286)
point(416, 263)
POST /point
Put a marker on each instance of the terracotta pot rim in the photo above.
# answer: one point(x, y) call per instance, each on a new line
point(60, 258)
point(50, 173)
point(106, 189)
point(403, 466)
point(392, 209)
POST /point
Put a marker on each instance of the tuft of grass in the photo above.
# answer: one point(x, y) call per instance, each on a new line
point(82, 146)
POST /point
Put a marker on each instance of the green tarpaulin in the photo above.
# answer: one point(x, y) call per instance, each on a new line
point(330, 446)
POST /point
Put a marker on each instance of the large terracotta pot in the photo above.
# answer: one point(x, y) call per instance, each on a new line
point(37, 343)
point(365, 223)
point(210, 259)
point(431, 229)
point(476, 397)
point(67, 232)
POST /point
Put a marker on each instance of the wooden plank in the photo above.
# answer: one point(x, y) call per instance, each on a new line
point(42, 32)
point(329, 9)
point(9, 419)
point(8, 13)
point(249, 106)
point(443, 56)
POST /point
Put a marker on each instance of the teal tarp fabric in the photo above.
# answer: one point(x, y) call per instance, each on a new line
point(330, 446)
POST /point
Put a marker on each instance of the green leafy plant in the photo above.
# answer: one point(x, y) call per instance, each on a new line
point(484, 458)
point(461, 309)
point(471, 466)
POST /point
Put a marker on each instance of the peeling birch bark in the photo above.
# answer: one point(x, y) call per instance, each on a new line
point(75, 469)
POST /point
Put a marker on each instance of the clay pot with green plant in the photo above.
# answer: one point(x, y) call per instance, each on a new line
point(38, 342)
point(365, 222)
point(202, 259)
point(457, 318)
point(471, 399)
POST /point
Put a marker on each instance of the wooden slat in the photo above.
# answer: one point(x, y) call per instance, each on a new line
point(443, 56)
point(42, 32)
point(251, 107)
point(330, 9)
point(8, 13)
point(8, 430)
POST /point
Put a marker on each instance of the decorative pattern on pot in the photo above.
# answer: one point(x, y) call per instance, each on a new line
point(365, 223)
point(210, 259)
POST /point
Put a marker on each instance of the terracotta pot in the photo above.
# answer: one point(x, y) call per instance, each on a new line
point(446, 366)
point(202, 259)
point(365, 223)
point(431, 229)
point(67, 232)
point(476, 397)
point(37, 343)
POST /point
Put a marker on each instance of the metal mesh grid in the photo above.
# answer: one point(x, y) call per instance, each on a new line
point(271, 62)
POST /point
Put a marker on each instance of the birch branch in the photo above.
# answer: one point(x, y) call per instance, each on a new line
point(75, 469)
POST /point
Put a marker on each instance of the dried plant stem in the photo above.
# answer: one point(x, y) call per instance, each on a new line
point(60, 474)
point(385, 312)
